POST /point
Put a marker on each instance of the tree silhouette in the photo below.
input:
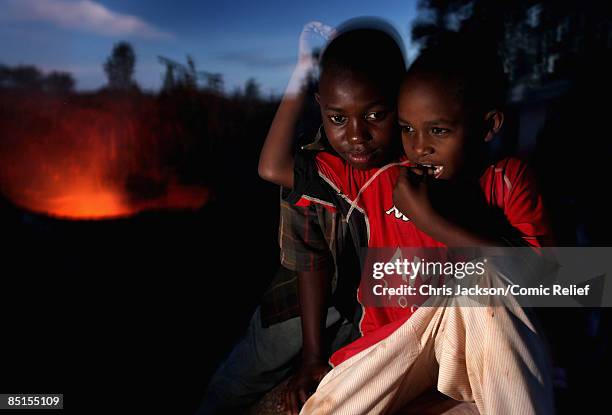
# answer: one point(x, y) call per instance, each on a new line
point(24, 77)
point(119, 67)
point(30, 78)
point(214, 82)
point(438, 16)
point(252, 90)
point(190, 75)
point(59, 82)
point(169, 79)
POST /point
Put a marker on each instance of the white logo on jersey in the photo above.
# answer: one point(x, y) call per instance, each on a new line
point(398, 215)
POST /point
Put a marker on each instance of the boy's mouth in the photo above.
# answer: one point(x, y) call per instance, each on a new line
point(360, 157)
point(437, 169)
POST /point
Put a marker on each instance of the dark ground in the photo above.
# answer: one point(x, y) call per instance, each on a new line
point(131, 315)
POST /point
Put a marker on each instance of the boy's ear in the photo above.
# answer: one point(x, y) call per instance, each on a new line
point(318, 98)
point(494, 120)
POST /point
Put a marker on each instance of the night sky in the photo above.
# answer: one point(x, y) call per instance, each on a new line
point(240, 39)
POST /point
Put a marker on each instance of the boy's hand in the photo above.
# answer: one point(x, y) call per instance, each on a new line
point(302, 385)
point(313, 37)
point(453, 213)
point(411, 194)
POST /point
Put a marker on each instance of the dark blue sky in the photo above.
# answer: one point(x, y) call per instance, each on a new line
point(240, 39)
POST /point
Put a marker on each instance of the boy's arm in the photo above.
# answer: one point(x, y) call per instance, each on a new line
point(314, 287)
point(276, 158)
point(304, 249)
point(519, 220)
point(412, 197)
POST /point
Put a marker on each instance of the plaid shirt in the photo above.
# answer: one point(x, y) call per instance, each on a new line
point(309, 238)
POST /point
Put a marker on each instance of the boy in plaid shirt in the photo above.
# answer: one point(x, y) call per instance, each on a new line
point(361, 107)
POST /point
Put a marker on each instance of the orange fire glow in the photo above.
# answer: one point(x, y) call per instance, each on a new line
point(79, 161)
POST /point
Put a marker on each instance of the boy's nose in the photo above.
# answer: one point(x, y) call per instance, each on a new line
point(357, 133)
point(421, 146)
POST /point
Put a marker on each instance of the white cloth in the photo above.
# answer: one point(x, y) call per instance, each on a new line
point(488, 354)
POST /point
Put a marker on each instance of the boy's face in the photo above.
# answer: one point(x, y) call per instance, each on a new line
point(435, 127)
point(359, 120)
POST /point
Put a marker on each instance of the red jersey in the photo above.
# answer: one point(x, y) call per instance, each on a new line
point(506, 184)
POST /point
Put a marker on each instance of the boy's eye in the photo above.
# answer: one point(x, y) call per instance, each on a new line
point(439, 131)
point(337, 119)
point(375, 116)
point(406, 129)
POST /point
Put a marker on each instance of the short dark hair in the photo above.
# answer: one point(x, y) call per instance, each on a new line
point(472, 66)
point(368, 48)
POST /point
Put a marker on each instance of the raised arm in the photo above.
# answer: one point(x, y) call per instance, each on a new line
point(276, 158)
